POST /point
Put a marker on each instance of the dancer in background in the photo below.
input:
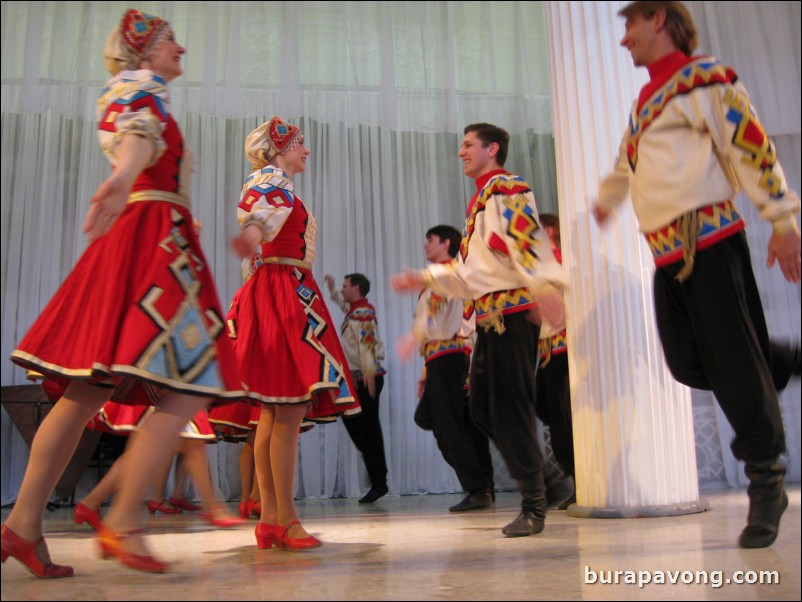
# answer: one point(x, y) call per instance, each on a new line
point(285, 342)
point(443, 332)
point(507, 268)
point(365, 353)
point(237, 422)
point(192, 460)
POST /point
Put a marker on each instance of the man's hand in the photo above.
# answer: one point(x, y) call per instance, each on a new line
point(550, 305)
point(785, 250)
point(533, 315)
point(406, 346)
point(601, 215)
point(407, 281)
point(329, 281)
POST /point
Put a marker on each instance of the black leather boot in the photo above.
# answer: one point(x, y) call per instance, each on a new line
point(533, 514)
point(767, 502)
point(480, 499)
point(376, 491)
point(571, 499)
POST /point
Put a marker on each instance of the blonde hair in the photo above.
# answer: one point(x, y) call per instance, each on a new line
point(119, 56)
point(274, 137)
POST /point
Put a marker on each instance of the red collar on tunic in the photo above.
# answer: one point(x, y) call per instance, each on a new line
point(484, 179)
point(660, 71)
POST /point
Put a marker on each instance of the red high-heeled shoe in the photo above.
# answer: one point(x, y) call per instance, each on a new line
point(250, 507)
point(225, 523)
point(111, 546)
point(25, 551)
point(162, 506)
point(283, 538)
point(184, 504)
point(84, 514)
point(266, 535)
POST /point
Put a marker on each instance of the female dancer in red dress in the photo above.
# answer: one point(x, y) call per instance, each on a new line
point(138, 318)
point(124, 420)
point(286, 345)
point(236, 422)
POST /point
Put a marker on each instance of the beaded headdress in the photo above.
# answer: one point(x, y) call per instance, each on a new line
point(268, 140)
point(140, 29)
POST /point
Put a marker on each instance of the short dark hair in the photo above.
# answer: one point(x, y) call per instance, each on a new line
point(550, 220)
point(449, 233)
point(489, 133)
point(360, 281)
point(679, 21)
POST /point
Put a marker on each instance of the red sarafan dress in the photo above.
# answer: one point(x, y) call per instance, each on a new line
point(139, 312)
point(287, 347)
point(123, 419)
point(235, 420)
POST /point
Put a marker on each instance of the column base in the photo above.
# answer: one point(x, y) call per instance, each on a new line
point(578, 511)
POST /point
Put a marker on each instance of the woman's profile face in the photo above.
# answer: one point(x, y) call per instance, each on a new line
point(293, 161)
point(165, 58)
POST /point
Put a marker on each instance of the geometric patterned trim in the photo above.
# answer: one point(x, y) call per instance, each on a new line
point(750, 137)
point(503, 302)
point(521, 227)
point(184, 350)
point(434, 349)
point(331, 374)
point(505, 184)
point(552, 345)
point(715, 222)
point(436, 303)
point(698, 74)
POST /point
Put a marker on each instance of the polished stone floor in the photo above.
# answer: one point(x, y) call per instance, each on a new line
point(411, 548)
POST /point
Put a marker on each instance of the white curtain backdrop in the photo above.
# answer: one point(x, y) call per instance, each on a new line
point(382, 91)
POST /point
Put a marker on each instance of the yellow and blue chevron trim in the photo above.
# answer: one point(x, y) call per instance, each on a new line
point(435, 349)
point(490, 307)
point(552, 345)
point(506, 184)
point(751, 138)
point(715, 222)
point(698, 74)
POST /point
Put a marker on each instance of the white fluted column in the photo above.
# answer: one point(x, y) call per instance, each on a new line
point(633, 424)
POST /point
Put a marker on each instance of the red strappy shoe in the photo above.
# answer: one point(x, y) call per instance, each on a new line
point(162, 507)
point(25, 551)
point(255, 508)
point(111, 546)
point(295, 543)
point(184, 504)
point(84, 514)
point(224, 522)
point(250, 507)
point(266, 535)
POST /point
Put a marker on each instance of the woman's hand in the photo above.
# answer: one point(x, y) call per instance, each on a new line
point(107, 204)
point(245, 244)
